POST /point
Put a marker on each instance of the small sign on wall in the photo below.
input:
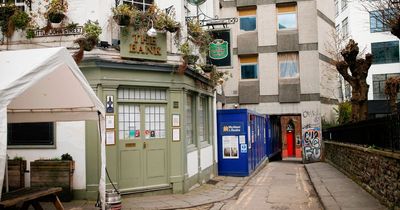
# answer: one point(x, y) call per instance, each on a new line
point(176, 134)
point(110, 104)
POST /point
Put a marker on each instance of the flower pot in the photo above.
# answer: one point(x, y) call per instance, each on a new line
point(90, 43)
point(56, 17)
point(122, 20)
point(53, 173)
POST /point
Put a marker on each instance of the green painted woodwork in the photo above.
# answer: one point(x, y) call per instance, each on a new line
point(139, 45)
point(162, 163)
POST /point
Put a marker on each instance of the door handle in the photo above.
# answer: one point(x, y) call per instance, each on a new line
point(144, 145)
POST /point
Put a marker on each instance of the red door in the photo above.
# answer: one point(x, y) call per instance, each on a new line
point(290, 143)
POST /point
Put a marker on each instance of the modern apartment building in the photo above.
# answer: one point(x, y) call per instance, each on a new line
point(160, 127)
point(280, 67)
point(359, 21)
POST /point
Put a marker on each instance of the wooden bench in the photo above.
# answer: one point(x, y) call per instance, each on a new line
point(31, 196)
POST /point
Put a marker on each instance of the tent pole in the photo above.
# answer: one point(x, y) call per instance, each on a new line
point(6, 174)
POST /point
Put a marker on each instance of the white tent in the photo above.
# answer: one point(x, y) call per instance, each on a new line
point(45, 85)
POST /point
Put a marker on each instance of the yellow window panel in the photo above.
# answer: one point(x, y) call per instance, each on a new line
point(284, 9)
point(252, 59)
point(247, 12)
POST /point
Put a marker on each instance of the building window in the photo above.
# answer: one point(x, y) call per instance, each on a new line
point(385, 52)
point(376, 20)
point(154, 121)
point(248, 68)
point(378, 81)
point(129, 121)
point(32, 134)
point(141, 5)
point(288, 65)
point(151, 94)
point(287, 17)
point(345, 28)
point(336, 7)
point(18, 3)
point(337, 29)
point(203, 119)
point(248, 19)
point(190, 107)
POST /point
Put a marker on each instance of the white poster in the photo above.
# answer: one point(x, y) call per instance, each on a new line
point(230, 147)
point(109, 121)
point(110, 137)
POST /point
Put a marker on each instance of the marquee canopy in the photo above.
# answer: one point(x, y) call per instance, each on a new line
point(45, 85)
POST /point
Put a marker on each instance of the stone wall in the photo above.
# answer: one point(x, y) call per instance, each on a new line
point(376, 171)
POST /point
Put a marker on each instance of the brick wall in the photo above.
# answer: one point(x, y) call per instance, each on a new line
point(375, 170)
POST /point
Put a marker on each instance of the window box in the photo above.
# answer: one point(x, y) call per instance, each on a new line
point(54, 173)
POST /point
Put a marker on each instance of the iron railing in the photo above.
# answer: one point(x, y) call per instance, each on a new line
point(380, 132)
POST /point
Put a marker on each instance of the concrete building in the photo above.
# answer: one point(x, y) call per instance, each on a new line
point(359, 21)
point(160, 132)
point(280, 67)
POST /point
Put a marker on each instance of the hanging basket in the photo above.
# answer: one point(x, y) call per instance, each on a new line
point(190, 59)
point(207, 68)
point(122, 20)
point(56, 17)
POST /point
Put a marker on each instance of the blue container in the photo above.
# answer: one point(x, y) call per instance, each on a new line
point(241, 141)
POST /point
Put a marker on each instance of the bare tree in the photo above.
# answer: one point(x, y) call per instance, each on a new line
point(357, 78)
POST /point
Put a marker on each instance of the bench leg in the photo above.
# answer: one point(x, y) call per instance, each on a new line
point(57, 203)
point(36, 205)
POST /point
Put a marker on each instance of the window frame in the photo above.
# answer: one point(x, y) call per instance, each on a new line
point(345, 27)
point(289, 55)
point(249, 64)
point(336, 2)
point(344, 4)
point(203, 101)
point(247, 16)
point(193, 118)
point(285, 13)
point(139, 2)
point(52, 145)
point(381, 15)
point(385, 52)
point(380, 95)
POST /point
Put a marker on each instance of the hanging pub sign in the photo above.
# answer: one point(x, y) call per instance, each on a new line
point(219, 48)
point(134, 44)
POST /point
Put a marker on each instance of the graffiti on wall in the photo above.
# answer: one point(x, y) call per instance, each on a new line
point(311, 129)
point(312, 144)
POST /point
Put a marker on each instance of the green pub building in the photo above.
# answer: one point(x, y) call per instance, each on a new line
point(160, 123)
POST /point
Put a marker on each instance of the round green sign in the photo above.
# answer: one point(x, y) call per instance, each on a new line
point(219, 49)
point(196, 2)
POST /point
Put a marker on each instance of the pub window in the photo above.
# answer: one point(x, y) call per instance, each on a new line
point(31, 134)
point(155, 121)
point(129, 121)
point(203, 128)
point(141, 5)
point(18, 3)
point(385, 52)
point(151, 94)
point(190, 107)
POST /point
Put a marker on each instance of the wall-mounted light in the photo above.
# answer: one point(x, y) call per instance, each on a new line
point(152, 31)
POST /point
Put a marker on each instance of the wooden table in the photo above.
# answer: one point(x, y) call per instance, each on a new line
point(31, 196)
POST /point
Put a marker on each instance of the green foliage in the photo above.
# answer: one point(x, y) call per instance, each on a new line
point(20, 19)
point(92, 29)
point(18, 158)
point(344, 112)
point(30, 34)
point(66, 156)
point(56, 7)
point(71, 26)
point(124, 9)
point(185, 48)
point(199, 36)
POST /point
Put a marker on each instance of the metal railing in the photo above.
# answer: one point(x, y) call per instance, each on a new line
point(381, 133)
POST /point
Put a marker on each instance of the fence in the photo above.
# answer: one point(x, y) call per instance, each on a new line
point(381, 132)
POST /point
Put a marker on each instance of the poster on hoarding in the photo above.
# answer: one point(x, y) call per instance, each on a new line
point(230, 147)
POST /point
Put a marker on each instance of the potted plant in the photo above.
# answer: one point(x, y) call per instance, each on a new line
point(16, 173)
point(56, 172)
point(186, 51)
point(56, 12)
point(123, 14)
point(92, 31)
point(207, 67)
